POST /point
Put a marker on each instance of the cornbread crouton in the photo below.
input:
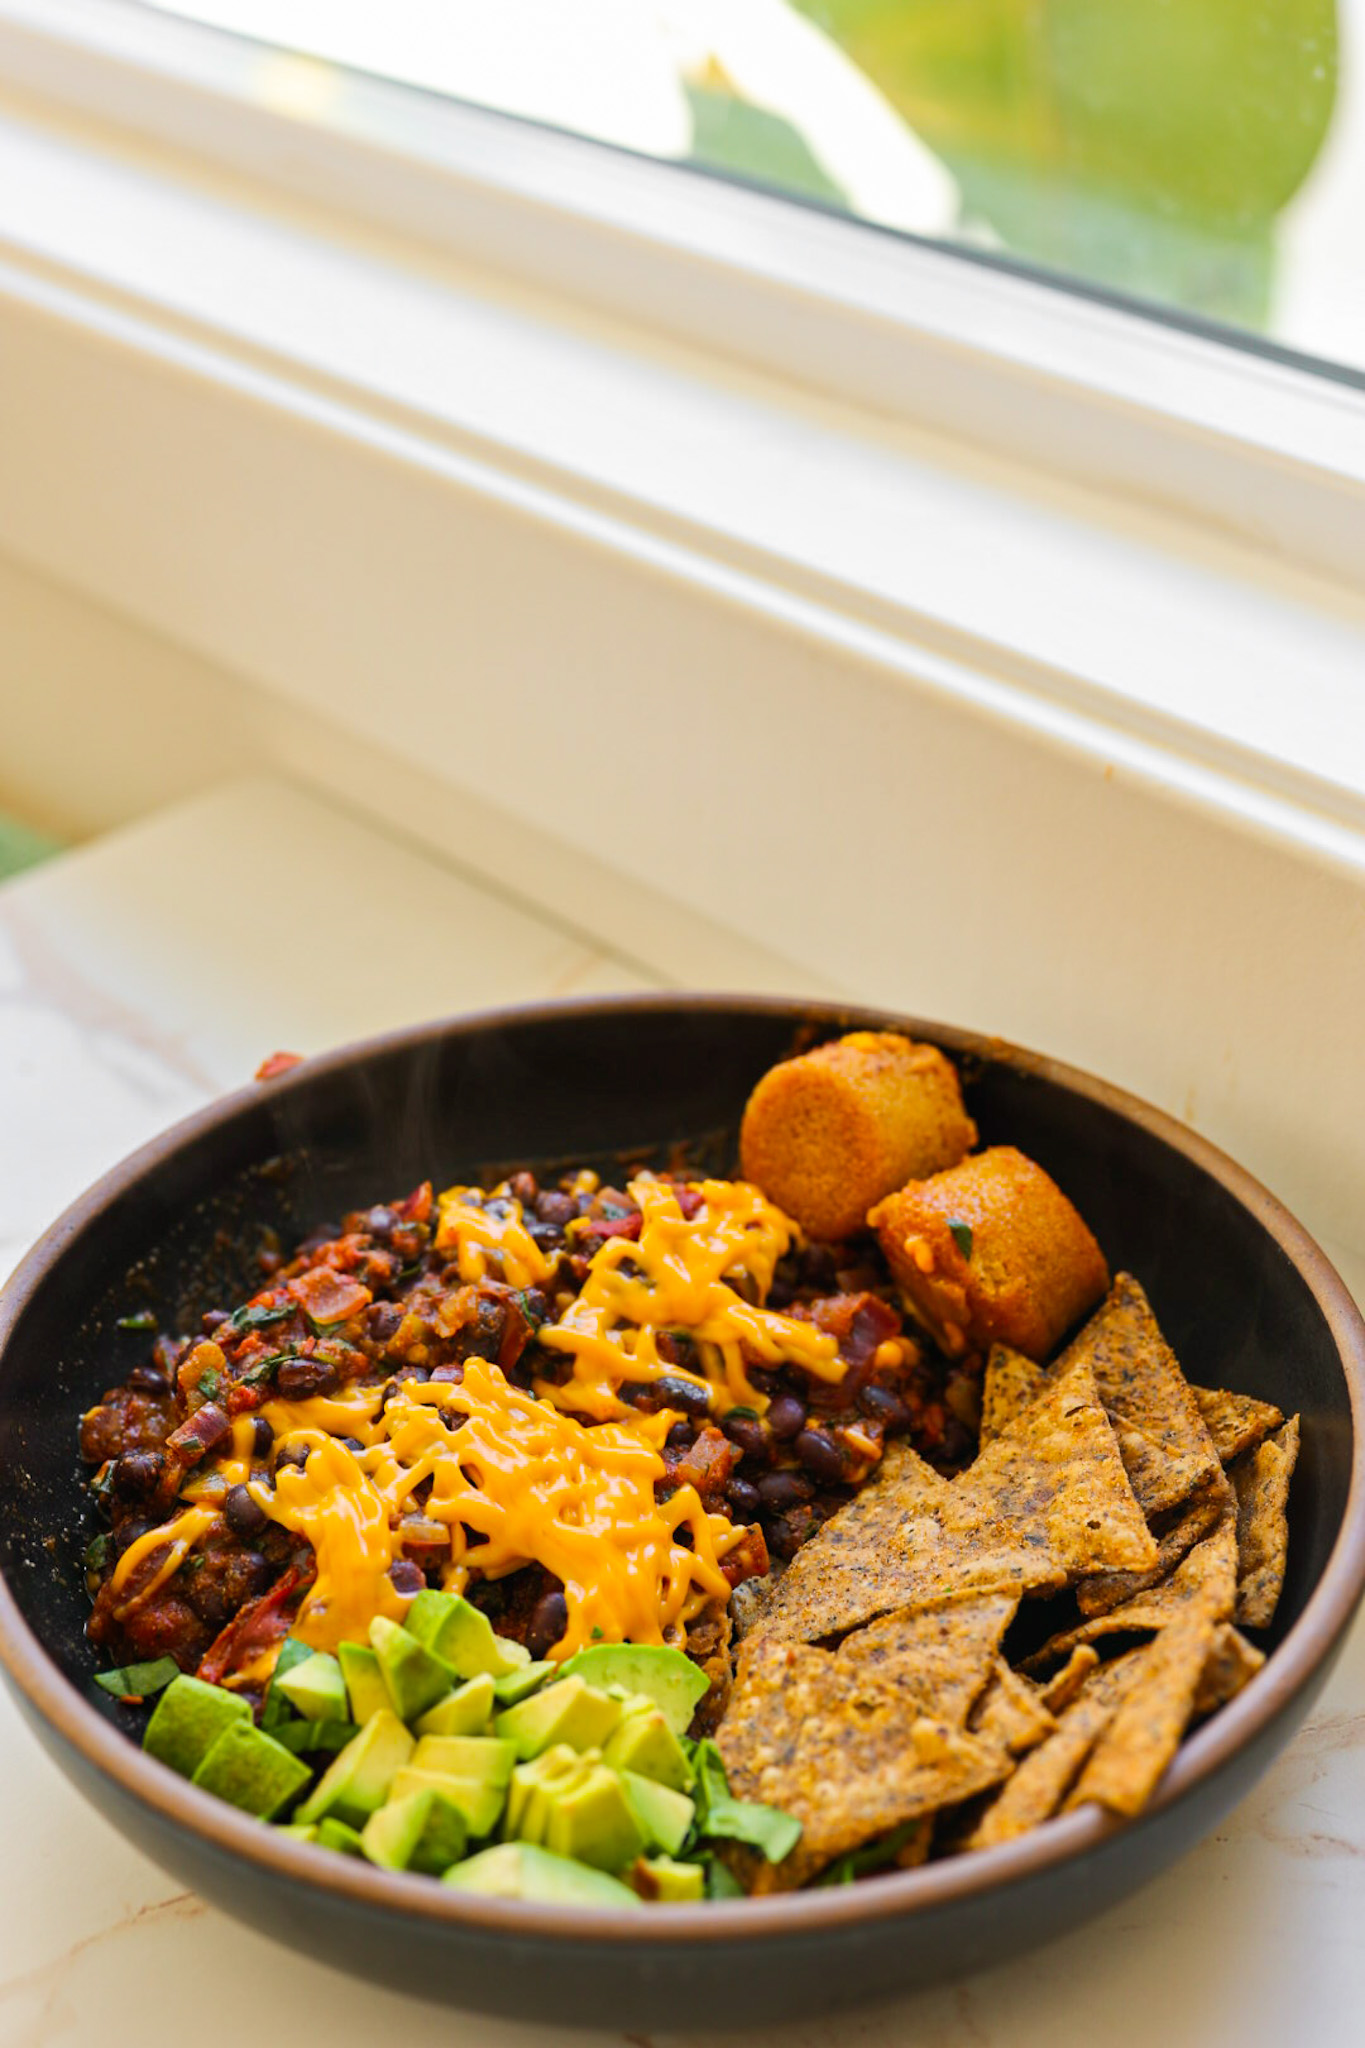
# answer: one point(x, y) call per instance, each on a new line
point(992, 1252)
point(826, 1135)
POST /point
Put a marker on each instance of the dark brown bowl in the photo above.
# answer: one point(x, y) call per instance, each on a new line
point(1246, 1297)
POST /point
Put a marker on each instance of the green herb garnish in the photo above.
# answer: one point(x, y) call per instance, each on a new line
point(209, 1383)
point(749, 1414)
point(258, 1318)
point(97, 1551)
point(265, 1369)
point(876, 1856)
point(961, 1234)
point(763, 1827)
point(720, 1884)
point(143, 1320)
point(139, 1681)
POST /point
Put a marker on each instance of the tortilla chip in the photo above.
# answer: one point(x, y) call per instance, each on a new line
point(1231, 1663)
point(814, 1733)
point(1236, 1422)
point(1168, 1452)
point(904, 1542)
point(1011, 1384)
point(1062, 1688)
point(1127, 1762)
point(940, 1658)
point(1262, 1483)
point(1208, 1575)
point(1184, 1528)
point(1046, 1774)
point(1011, 1712)
point(1056, 1479)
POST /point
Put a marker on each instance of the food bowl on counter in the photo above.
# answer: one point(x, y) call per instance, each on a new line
point(1245, 1298)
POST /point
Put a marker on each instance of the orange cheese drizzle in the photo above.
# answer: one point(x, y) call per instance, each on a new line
point(179, 1536)
point(681, 1275)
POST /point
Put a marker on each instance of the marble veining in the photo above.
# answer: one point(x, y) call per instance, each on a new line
point(139, 977)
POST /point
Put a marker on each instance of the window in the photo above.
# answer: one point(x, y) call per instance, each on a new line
point(1199, 156)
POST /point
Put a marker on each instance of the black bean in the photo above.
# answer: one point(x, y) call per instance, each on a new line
point(148, 1380)
point(381, 1221)
point(297, 1378)
point(783, 1489)
point(674, 1392)
point(885, 1405)
point(820, 1455)
point(786, 1417)
point(263, 1439)
point(748, 1433)
point(291, 1454)
point(381, 1320)
point(553, 1207)
point(213, 1319)
point(525, 1187)
point(405, 1576)
point(136, 1474)
point(549, 1619)
point(128, 1532)
point(352, 1443)
point(242, 1513)
point(744, 1499)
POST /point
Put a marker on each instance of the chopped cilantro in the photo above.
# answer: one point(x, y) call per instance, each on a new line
point(961, 1235)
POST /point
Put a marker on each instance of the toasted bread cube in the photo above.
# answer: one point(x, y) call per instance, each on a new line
point(992, 1252)
point(826, 1135)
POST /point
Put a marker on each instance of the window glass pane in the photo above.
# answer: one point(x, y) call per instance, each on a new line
point(1202, 156)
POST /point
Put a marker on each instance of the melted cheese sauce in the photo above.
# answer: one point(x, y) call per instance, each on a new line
point(179, 1537)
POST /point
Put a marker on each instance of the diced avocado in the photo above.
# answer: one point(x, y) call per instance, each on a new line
point(415, 1677)
point(365, 1687)
point(356, 1783)
point(532, 1785)
point(519, 1685)
point(298, 1829)
point(659, 1877)
point(455, 1630)
point(251, 1770)
point(671, 1680)
point(334, 1834)
point(422, 1831)
point(642, 1741)
point(390, 1835)
point(189, 1718)
point(316, 1687)
point(466, 1711)
point(664, 1816)
point(569, 1711)
point(466, 1756)
point(517, 1870)
point(478, 1802)
point(594, 1822)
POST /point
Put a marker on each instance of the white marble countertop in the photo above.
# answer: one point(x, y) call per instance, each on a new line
point(143, 975)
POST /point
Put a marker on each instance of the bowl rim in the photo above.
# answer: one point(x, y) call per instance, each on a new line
point(57, 1701)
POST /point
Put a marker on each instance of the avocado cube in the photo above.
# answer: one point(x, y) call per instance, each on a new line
point(365, 1687)
point(466, 1756)
point(479, 1803)
point(642, 1741)
point(593, 1821)
point(455, 1630)
point(422, 1831)
point(249, 1769)
point(299, 1831)
point(671, 1680)
point(516, 1870)
point(466, 1711)
point(415, 1677)
point(664, 1816)
point(660, 1878)
point(316, 1688)
point(532, 1786)
point(569, 1711)
point(356, 1782)
point(519, 1685)
point(189, 1718)
point(334, 1834)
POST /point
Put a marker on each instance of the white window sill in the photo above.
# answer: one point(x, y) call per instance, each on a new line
point(634, 623)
